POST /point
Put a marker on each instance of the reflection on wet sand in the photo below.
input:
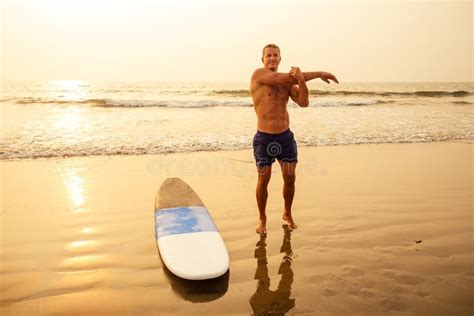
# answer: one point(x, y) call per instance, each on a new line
point(74, 183)
point(198, 291)
point(265, 301)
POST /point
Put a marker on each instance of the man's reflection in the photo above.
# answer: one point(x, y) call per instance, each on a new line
point(265, 301)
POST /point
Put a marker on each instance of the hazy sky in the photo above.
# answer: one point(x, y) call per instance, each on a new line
point(222, 40)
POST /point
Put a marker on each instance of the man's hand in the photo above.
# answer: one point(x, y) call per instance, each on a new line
point(325, 76)
point(296, 73)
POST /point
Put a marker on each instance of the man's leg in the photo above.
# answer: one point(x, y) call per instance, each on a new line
point(264, 174)
point(288, 170)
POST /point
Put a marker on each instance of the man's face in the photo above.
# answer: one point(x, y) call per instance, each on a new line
point(271, 58)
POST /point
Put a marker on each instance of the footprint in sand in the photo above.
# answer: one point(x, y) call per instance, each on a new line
point(389, 274)
point(329, 292)
point(362, 292)
point(408, 279)
point(316, 278)
point(395, 290)
point(354, 271)
point(367, 293)
point(393, 304)
point(422, 294)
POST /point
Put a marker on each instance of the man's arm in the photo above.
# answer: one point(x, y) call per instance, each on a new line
point(272, 78)
point(325, 76)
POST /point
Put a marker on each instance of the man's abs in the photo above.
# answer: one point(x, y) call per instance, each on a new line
point(272, 119)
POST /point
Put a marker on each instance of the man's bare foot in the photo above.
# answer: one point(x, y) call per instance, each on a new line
point(262, 226)
point(289, 219)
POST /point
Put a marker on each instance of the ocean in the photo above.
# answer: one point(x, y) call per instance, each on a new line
point(78, 118)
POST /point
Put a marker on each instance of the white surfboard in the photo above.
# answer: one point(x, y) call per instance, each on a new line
point(189, 242)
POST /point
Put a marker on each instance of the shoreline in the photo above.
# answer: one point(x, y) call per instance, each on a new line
point(461, 141)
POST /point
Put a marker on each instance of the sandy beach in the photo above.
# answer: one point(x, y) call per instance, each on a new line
point(383, 229)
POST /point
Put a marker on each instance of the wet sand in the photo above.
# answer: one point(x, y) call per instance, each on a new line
point(383, 229)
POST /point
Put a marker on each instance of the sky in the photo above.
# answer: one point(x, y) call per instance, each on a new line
point(186, 40)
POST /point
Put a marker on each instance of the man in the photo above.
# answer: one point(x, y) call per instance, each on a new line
point(270, 91)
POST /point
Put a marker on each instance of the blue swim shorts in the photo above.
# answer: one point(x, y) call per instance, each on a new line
point(268, 147)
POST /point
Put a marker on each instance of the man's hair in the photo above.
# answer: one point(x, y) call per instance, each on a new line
point(269, 46)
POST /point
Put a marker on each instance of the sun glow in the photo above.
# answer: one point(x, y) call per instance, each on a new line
point(75, 187)
point(68, 90)
point(87, 230)
point(82, 245)
point(68, 119)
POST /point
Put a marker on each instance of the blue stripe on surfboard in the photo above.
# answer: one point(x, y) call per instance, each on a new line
point(183, 220)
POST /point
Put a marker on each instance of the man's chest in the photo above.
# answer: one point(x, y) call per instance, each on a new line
point(277, 92)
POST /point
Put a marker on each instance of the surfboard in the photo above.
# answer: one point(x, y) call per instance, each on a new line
point(188, 240)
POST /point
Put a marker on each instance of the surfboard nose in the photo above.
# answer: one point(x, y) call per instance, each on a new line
point(174, 192)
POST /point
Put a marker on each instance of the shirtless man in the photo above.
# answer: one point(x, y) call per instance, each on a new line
point(270, 91)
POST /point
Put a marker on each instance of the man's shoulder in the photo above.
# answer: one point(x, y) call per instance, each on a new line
point(257, 74)
point(260, 71)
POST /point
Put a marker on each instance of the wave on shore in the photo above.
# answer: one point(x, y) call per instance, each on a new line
point(118, 103)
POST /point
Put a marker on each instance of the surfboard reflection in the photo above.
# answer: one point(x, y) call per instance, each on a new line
point(198, 291)
point(265, 301)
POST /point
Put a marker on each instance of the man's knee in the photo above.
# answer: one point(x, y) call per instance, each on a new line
point(263, 181)
point(289, 178)
point(288, 172)
point(264, 175)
